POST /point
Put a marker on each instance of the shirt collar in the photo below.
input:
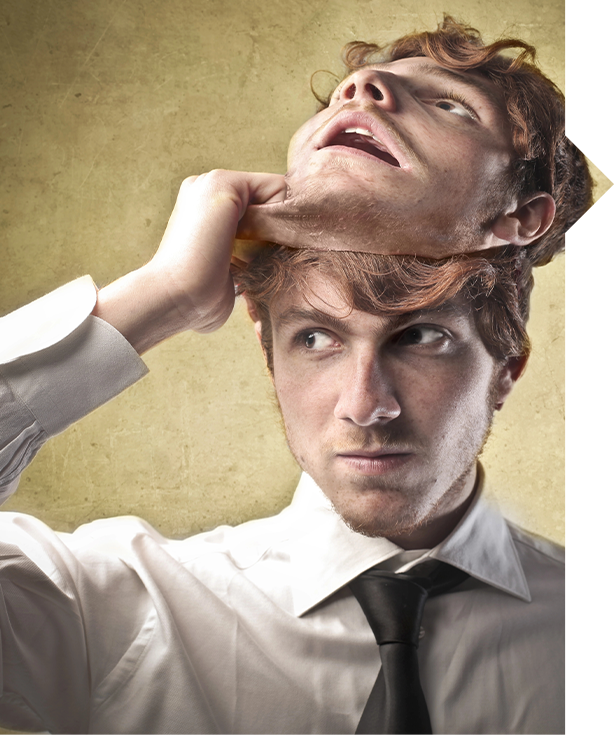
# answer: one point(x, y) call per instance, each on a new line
point(326, 554)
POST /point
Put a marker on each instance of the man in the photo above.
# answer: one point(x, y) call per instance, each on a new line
point(387, 393)
point(255, 628)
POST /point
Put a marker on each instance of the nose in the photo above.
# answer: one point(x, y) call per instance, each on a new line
point(369, 85)
point(366, 396)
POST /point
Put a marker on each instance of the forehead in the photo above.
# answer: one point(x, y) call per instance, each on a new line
point(319, 299)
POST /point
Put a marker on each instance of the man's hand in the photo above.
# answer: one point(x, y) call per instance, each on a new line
point(187, 284)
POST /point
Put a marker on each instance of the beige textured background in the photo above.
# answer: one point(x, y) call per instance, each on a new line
point(105, 107)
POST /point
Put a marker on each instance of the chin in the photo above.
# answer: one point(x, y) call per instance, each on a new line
point(330, 215)
point(383, 512)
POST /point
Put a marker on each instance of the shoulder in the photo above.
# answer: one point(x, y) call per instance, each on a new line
point(123, 537)
point(243, 545)
point(543, 564)
point(536, 546)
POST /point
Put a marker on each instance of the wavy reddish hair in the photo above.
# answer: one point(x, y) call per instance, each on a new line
point(385, 285)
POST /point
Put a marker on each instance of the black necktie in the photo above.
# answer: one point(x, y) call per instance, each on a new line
point(393, 605)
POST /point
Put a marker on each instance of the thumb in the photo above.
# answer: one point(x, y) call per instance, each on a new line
point(270, 222)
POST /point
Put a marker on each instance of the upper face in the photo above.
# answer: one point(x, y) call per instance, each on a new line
point(387, 414)
point(407, 153)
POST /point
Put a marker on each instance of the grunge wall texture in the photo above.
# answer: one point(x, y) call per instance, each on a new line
point(105, 107)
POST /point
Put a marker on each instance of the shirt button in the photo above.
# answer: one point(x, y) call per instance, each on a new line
point(421, 633)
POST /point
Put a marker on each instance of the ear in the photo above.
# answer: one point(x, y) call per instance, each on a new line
point(530, 219)
point(253, 315)
point(510, 372)
point(258, 330)
point(251, 309)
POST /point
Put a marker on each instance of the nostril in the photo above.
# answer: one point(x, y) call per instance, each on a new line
point(351, 91)
point(375, 92)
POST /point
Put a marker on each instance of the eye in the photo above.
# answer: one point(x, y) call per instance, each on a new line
point(314, 340)
point(457, 106)
point(420, 335)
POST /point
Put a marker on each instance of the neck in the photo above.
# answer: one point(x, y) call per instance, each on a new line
point(447, 516)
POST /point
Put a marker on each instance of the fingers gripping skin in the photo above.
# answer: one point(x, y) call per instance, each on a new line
point(187, 284)
point(194, 256)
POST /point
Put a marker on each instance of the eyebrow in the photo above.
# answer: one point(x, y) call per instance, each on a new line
point(393, 322)
point(448, 308)
point(297, 314)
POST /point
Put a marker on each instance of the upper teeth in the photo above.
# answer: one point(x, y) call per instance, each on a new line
point(363, 131)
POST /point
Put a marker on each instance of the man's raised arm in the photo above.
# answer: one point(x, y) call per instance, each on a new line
point(187, 284)
point(84, 363)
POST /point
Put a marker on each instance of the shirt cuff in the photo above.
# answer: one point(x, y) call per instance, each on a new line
point(47, 320)
point(66, 381)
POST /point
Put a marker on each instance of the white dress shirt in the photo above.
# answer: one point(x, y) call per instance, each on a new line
point(250, 629)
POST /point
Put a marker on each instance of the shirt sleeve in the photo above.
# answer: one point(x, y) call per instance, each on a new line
point(46, 386)
point(74, 615)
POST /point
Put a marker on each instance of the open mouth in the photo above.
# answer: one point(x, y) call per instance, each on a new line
point(363, 140)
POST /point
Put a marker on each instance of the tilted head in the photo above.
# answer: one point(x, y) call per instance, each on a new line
point(435, 145)
point(388, 370)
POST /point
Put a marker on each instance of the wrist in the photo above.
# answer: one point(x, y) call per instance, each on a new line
point(141, 309)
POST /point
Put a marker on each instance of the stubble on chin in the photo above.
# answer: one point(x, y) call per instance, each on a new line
point(380, 508)
point(383, 506)
point(389, 511)
point(322, 215)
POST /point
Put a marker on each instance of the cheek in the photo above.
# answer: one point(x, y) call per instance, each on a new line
point(452, 395)
point(303, 399)
point(301, 136)
point(470, 161)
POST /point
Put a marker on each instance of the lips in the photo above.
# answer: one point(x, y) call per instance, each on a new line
point(373, 453)
point(364, 134)
point(366, 143)
point(374, 462)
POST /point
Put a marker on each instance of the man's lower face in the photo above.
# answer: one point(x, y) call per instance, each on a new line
point(388, 418)
point(413, 482)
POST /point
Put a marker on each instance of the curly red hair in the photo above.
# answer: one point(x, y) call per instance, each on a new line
point(385, 285)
